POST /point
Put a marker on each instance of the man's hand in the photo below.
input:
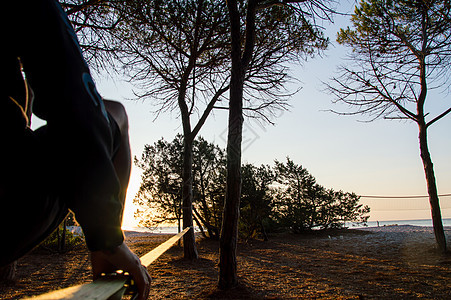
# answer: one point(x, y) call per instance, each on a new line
point(122, 258)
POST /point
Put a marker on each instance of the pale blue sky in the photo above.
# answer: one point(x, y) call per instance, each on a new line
point(377, 158)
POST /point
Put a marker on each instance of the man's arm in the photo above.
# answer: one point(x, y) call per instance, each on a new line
point(121, 258)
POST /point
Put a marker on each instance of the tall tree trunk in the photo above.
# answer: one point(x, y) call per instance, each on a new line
point(189, 241)
point(229, 229)
point(432, 188)
point(240, 61)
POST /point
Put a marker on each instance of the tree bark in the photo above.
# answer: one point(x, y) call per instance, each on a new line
point(432, 188)
point(426, 156)
point(229, 229)
point(189, 241)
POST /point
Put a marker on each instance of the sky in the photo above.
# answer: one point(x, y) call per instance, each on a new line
point(341, 152)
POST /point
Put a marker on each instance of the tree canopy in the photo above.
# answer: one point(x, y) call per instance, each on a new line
point(400, 49)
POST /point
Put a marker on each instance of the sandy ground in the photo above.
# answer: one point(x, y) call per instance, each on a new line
point(393, 262)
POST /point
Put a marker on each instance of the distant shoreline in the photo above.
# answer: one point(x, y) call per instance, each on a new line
point(412, 222)
point(385, 229)
point(427, 223)
point(401, 228)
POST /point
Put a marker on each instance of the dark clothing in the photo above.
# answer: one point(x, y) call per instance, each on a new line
point(68, 163)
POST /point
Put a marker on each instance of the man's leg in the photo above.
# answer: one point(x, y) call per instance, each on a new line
point(30, 208)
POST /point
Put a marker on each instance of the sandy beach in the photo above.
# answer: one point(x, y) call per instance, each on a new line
point(390, 262)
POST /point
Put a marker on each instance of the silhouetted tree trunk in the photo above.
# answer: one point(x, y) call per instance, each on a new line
point(432, 188)
point(189, 241)
point(242, 49)
point(240, 61)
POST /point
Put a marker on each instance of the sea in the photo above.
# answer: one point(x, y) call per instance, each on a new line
point(419, 222)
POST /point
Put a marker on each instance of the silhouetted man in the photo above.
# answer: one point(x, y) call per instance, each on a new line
point(79, 161)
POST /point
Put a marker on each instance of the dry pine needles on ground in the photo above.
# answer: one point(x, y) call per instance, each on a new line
point(381, 263)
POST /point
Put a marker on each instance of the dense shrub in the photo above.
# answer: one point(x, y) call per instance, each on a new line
point(285, 196)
